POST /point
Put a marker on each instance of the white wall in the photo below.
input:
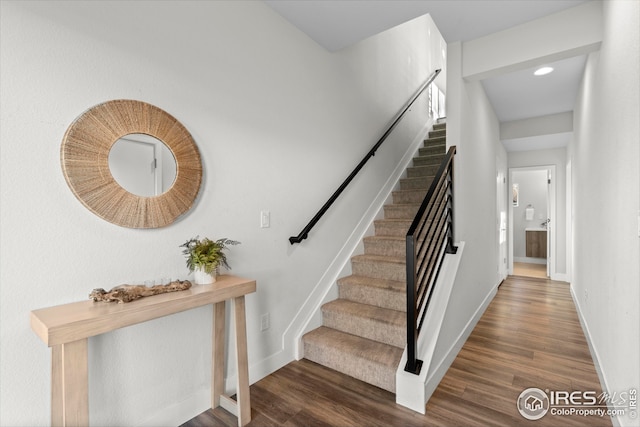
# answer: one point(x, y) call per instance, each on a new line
point(605, 163)
point(535, 126)
point(279, 121)
point(474, 128)
point(570, 32)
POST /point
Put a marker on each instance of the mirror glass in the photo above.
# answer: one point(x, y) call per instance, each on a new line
point(142, 165)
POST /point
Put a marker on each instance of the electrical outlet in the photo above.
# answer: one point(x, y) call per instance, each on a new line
point(265, 322)
point(265, 219)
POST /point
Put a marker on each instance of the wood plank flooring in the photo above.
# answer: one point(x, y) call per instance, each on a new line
point(530, 270)
point(529, 336)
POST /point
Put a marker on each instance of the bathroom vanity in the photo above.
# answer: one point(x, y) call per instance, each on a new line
point(536, 242)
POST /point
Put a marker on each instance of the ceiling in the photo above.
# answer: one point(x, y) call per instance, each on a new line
point(336, 24)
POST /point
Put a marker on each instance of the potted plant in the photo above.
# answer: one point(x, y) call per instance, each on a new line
point(204, 256)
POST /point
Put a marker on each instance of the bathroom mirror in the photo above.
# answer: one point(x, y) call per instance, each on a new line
point(85, 152)
point(142, 165)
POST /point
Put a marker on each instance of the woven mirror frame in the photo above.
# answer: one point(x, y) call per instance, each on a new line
point(84, 155)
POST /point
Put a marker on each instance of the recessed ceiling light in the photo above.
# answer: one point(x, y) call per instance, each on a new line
point(542, 71)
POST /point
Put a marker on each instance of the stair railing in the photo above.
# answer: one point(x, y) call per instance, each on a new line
point(305, 231)
point(429, 238)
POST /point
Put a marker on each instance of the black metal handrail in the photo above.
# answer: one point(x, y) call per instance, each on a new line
point(305, 231)
point(429, 238)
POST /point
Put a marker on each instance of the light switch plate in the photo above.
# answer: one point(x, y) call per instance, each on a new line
point(265, 219)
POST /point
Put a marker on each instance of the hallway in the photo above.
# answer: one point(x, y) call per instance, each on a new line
point(529, 336)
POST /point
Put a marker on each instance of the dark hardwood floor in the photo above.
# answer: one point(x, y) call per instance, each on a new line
point(529, 336)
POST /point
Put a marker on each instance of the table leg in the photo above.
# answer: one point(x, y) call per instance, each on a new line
point(70, 384)
point(217, 361)
point(242, 362)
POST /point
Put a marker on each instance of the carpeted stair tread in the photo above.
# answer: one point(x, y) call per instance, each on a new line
point(432, 149)
point(364, 330)
point(409, 196)
point(381, 267)
point(367, 360)
point(416, 182)
point(437, 133)
point(401, 211)
point(364, 320)
point(428, 160)
point(369, 290)
point(379, 258)
point(422, 170)
point(392, 226)
point(391, 285)
point(393, 246)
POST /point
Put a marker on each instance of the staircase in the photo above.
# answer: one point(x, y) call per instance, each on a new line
point(364, 331)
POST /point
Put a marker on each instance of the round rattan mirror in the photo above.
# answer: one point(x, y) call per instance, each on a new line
point(85, 163)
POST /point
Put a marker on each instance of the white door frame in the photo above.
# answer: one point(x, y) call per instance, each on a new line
point(502, 198)
point(551, 214)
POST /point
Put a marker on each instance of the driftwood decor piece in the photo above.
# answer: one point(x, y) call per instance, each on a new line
point(84, 155)
point(128, 293)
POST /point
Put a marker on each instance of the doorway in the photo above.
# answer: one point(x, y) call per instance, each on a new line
point(532, 220)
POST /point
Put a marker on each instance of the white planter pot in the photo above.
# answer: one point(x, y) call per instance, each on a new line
point(202, 278)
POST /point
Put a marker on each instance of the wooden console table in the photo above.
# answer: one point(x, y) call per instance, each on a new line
point(66, 329)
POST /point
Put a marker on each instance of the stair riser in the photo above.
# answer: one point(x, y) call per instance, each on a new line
point(392, 228)
point(409, 196)
point(422, 170)
point(437, 133)
point(439, 126)
point(434, 141)
point(367, 328)
point(380, 270)
point(392, 248)
point(361, 369)
point(430, 160)
point(422, 182)
point(401, 211)
point(385, 298)
point(396, 248)
point(434, 149)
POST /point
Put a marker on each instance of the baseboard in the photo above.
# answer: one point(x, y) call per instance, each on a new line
point(181, 412)
point(442, 367)
point(615, 420)
point(199, 402)
point(560, 277)
point(306, 318)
